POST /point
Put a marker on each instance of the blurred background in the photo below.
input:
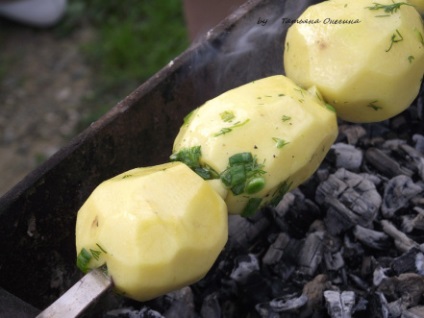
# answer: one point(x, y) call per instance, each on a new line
point(55, 81)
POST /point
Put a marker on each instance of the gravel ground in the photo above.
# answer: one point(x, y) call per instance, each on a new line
point(43, 83)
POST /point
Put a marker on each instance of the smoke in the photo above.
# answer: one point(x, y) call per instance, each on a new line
point(247, 48)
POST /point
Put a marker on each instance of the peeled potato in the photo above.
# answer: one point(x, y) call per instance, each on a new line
point(156, 229)
point(418, 4)
point(270, 130)
point(365, 57)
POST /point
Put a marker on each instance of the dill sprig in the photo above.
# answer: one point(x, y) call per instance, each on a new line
point(388, 8)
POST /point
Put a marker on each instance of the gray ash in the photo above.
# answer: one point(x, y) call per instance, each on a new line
point(348, 243)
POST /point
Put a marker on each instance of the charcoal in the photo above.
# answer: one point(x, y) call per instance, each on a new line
point(385, 164)
point(371, 238)
point(245, 265)
point(359, 282)
point(411, 261)
point(397, 193)
point(288, 302)
point(244, 231)
point(410, 223)
point(402, 241)
point(311, 253)
point(379, 275)
point(131, 313)
point(352, 133)
point(182, 304)
point(314, 290)
point(333, 261)
point(346, 156)
point(414, 312)
point(419, 142)
point(352, 195)
point(415, 157)
point(339, 305)
point(378, 306)
point(276, 249)
point(211, 307)
point(408, 286)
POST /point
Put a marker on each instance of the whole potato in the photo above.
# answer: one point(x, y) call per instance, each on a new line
point(259, 140)
point(156, 229)
point(365, 57)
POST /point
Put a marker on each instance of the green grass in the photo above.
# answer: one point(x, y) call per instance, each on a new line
point(133, 40)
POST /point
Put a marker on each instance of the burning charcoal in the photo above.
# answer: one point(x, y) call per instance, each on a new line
point(385, 164)
point(374, 239)
point(339, 304)
point(347, 156)
point(310, 255)
point(276, 249)
point(211, 307)
point(353, 199)
point(411, 261)
point(402, 241)
point(397, 193)
point(352, 133)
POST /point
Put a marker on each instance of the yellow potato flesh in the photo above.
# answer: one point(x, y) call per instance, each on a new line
point(369, 69)
point(289, 130)
point(161, 228)
point(418, 4)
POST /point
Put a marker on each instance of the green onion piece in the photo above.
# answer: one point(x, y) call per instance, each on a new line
point(243, 157)
point(227, 116)
point(83, 259)
point(254, 185)
point(251, 207)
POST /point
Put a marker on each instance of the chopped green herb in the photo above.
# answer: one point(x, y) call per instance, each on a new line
point(227, 116)
point(329, 107)
point(285, 118)
point(278, 195)
point(101, 248)
point(420, 36)
point(374, 106)
point(410, 58)
point(396, 37)
point(251, 207)
point(188, 116)
point(126, 176)
point(83, 259)
point(279, 143)
point(226, 130)
point(299, 90)
point(95, 253)
point(191, 157)
point(388, 8)
point(254, 185)
point(241, 171)
point(281, 95)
